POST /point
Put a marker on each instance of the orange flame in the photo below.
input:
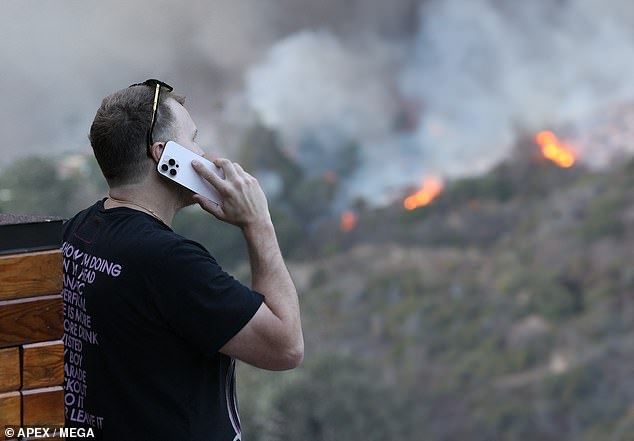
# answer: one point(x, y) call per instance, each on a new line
point(554, 150)
point(330, 177)
point(348, 221)
point(430, 189)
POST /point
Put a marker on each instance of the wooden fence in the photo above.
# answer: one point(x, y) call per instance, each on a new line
point(31, 328)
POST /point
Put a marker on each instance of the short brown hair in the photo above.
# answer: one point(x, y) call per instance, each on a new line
point(118, 132)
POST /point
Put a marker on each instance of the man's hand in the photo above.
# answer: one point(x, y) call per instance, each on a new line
point(273, 337)
point(243, 201)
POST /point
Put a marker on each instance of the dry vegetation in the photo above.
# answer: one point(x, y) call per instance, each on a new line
point(502, 311)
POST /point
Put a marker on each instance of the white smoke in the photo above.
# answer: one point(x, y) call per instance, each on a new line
point(61, 57)
point(442, 92)
point(312, 80)
point(481, 69)
point(484, 70)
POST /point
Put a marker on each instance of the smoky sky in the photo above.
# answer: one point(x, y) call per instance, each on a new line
point(424, 87)
point(61, 57)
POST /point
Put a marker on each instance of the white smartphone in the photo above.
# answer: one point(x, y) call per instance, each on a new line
point(176, 164)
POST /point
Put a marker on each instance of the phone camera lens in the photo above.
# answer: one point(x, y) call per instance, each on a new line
point(173, 172)
point(164, 167)
point(172, 162)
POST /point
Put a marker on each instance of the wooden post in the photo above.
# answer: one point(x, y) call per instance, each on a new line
point(31, 322)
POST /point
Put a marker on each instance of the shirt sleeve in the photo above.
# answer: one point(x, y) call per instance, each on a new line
point(202, 303)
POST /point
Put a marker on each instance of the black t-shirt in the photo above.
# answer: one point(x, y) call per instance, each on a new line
point(145, 313)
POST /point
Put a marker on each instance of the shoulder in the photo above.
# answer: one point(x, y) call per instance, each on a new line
point(71, 224)
point(168, 244)
point(168, 252)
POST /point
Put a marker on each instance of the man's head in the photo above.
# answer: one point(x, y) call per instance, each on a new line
point(118, 134)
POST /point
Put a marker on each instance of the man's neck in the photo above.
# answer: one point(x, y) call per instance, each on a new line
point(159, 204)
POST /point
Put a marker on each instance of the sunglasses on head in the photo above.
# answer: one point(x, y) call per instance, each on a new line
point(156, 84)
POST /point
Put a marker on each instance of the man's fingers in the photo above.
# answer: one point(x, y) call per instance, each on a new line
point(241, 171)
point(228, 167)
point(244, 174)
point(209, 175)
point(209, 205)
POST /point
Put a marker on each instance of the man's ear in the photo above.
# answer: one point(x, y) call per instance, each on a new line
point(156, 150)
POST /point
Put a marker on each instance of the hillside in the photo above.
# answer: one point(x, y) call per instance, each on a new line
point(501, 311)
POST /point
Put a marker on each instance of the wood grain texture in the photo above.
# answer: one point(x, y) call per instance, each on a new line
point(30, 274)
point(42, 364)
point(10, 369)
point(31, 320)
point(43, 407)
point(10, 409)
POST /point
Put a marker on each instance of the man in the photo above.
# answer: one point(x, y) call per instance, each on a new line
point(153, 325)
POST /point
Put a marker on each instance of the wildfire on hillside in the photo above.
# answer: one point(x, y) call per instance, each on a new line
point(428, 192)
point(554, 150)
point(348, 221)
point(330, 177)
